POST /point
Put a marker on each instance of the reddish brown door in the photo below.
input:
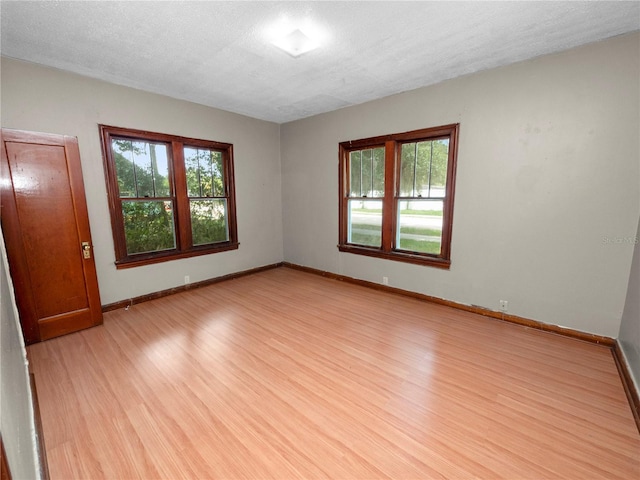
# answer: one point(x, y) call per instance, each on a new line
point(45, 224)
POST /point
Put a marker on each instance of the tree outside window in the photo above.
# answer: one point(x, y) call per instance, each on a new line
point(170, 197)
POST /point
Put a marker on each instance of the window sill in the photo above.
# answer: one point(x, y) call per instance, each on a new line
point(148, 259)
point(398, 256)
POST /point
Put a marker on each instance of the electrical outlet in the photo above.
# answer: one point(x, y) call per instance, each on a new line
point(504, 305)
point(385, 280)
point(187, 280)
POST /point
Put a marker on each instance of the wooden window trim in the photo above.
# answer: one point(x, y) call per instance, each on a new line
point(392, 144)
point(178, 187)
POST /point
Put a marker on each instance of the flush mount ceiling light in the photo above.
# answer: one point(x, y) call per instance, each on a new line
point(296, 43)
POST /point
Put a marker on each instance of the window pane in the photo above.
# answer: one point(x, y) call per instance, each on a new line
point(209, 221)
point(367, 171)
point(407, 169)
point(378, 172)
point(142, 168)
point(439, 168)
point(204, 172)
point(160, 166)
point(206, 179)
point(355, 167)
point(143, 172)
point(365, 222)
point(419, 226)
point(423, 163)
point(217, 174)
point(192, 166)
point(148, 226)
point(124, 167)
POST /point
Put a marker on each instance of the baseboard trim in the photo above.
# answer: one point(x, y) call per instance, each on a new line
point(601, 340)
point(627, 382)
point(610, 342)
point(171, 291)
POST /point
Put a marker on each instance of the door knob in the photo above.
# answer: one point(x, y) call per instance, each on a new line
point(86, 250)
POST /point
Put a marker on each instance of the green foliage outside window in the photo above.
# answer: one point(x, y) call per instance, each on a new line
point(142, 169)
point(205, 177)
point(208, 221)
point(170, 197)
point(204, 172)
point(148, 226)
point(423, 168)
point(367, 172)
point(143, 172)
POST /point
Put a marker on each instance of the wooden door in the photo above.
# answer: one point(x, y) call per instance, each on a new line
point(45, 224)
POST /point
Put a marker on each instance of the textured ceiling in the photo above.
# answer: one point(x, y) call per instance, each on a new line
point(219, 53)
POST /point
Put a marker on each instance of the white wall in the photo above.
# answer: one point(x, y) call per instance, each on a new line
point(629, 337)
point(548, 178)
point(16, 407)
point(47, 100)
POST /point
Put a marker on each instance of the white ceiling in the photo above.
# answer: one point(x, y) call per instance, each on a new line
point(218, 53)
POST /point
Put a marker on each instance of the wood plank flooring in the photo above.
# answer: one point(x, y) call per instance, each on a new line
point(285, 375)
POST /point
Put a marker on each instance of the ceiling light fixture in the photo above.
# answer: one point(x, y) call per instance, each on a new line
point(296, 43)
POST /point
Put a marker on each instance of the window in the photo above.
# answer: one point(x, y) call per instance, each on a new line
point(170, 197)
point(396, 195)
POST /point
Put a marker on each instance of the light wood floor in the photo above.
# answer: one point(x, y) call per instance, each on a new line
point(285, 375)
